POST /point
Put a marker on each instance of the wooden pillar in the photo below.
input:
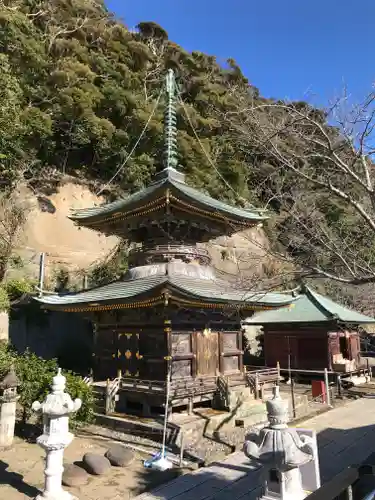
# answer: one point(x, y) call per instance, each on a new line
point(221, 352)
point(190, 406)
point(168, 333)
point(256, 385)
point(240, 348)
point(194, 368)
point(146, 410)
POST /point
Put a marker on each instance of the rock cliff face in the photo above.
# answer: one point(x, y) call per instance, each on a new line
point(48, 229)
point(241, 255)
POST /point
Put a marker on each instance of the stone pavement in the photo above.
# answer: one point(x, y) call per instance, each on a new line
point(346, 436)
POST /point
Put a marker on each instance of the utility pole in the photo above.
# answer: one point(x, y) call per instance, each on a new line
point(41, 273)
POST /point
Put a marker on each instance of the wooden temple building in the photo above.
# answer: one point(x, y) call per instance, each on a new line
point(314, 333)
point(170, 312)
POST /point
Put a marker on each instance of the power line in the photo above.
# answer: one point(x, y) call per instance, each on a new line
point(134, 147)
point(203, 148)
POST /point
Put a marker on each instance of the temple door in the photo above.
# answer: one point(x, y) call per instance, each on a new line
point(128, 356)
point(207, 353)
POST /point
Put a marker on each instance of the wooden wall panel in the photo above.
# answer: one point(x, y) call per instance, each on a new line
point(207, 353)
point(231, 364)
point(105, 359)
point(181, 344)
point(230, 341)
point(355, 346)
point(312, 353)
point(231, 355)
point(307, 345)
point(181, 368)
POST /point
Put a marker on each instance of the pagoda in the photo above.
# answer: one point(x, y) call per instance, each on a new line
point(170, 309)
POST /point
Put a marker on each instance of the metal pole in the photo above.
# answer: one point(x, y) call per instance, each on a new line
point(293, 400)
point(339, 386)
point(41, 273)
point(182, 446)
point(369, 369)
point(349, 492)
point(291, 383)
point(326, 382)
point(169, 361)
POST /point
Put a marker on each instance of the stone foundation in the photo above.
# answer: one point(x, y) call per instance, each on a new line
point(7, 423)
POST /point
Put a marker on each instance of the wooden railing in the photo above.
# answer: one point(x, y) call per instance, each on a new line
point(257, 378)
point(110, 394)
point(344, 486)
point(88, 380)
point(145, 386)
point(138, 254)
point(180, 388)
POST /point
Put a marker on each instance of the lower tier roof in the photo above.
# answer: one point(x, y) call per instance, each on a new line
point(311, 307)
point(178, 287)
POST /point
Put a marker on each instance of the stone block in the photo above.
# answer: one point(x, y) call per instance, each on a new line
point(74, 476)
point(7, 423)
point(119, 456)
point(96, 464)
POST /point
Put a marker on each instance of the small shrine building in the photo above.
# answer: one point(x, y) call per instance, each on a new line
point(314, 333)
point(170, 309)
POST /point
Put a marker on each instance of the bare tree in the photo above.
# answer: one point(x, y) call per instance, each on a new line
point(12, 219)
point(316, 170)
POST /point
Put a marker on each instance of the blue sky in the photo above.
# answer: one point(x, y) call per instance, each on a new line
point(286, 48)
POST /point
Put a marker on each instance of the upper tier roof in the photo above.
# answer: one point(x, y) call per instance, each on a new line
point(179, 287)
point(179, 192)
point(168, 189)
point(311, 307)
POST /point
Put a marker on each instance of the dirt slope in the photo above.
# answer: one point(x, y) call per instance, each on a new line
point(48, 229)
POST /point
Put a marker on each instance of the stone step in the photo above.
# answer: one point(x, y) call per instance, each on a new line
point(250, 421)
point(251, 409)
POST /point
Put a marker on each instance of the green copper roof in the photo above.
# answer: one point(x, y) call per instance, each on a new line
point(311, 307)
point(206, 290)
point(168, 178)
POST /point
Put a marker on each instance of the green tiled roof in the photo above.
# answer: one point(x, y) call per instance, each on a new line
point(311, 307)
point(168, 178)
point(209, 290)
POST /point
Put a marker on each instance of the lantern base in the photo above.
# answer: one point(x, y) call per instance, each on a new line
point(61, 495)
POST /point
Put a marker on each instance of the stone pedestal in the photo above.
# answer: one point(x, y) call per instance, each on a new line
point(7, 422)
point(283, 452)
point(4, 327)
point(56, 437)
point(8, 405)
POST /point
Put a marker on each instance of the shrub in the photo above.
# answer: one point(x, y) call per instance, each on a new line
point(36, 375)
point(77, 388)
point(17, 287)
point(4, 300)
point(6, 359)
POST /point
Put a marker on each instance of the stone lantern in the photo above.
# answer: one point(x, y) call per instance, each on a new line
point(282, 451)
point(8, 405)
point(56, 436)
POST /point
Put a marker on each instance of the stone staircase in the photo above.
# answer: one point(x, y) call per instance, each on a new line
point(98, 389)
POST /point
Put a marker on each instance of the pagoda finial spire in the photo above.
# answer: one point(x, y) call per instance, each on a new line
point(170, 122)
